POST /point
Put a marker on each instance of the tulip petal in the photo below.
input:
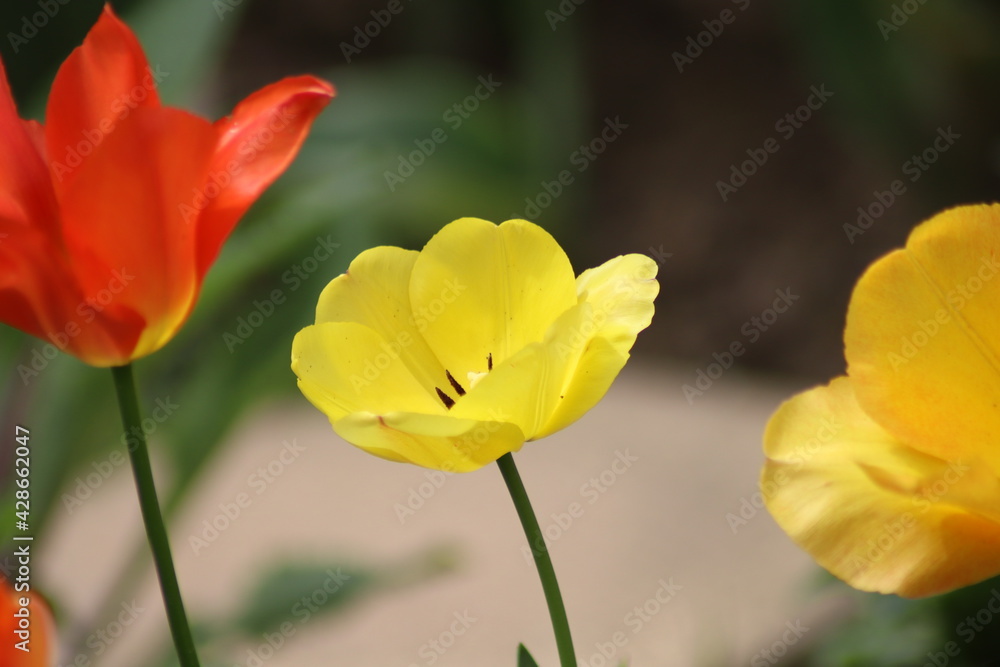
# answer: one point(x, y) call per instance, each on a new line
point(621, 292)
point(623, 289)
point(132, 251)
point(441, 442)
point(33, 286)
point(33, 277)
point(98, 87)
point(346, 367)
point(878, 514)
point(26, 197)
point(43, 644)
point(375, 292)
point(923, 337)
point(489, 291)
point(526, 388)
point(254, 146)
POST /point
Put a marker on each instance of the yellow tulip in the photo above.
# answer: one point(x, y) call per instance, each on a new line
point(890, 477)
point(453, 356)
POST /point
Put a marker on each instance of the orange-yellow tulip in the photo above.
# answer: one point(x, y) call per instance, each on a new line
point(113, 211)
point(27, 630)
point(890, 477)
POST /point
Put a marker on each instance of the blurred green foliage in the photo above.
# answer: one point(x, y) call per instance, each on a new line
point(902, 69)
point(958, 629)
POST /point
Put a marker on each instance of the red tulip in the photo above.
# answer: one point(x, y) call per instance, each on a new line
point(27, 630)
point(113, 211)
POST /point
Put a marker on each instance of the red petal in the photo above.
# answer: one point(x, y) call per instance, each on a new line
point(132, 250)
point(33, 284)
point(101, 83)
point(37, 289)
point(26, 196)
point(255, 145)
point(42, 642)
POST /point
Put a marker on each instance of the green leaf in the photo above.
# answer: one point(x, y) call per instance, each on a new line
point(295, 593)
point(524, 658)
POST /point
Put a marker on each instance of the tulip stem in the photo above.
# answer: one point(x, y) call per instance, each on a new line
point(540, 551)
point(156, 530)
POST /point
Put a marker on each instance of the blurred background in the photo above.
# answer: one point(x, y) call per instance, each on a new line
point(759, 151)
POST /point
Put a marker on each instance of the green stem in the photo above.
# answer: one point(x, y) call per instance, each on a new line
point(536, 540)
point(156, 531)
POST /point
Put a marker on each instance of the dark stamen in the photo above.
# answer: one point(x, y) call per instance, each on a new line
point(489, 361)
point(455, 384)
point(445, 398)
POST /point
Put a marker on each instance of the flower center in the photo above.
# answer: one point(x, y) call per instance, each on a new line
point(474, 379)
point(454, 384)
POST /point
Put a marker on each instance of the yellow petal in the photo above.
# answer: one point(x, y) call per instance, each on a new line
point(346, 367)
point(478, 289)
point(441, 442)
point(923, 337)
point(375, 292)
point(526, 388)
point(621, 292)
point(878, 514)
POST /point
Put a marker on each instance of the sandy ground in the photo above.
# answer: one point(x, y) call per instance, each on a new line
point(635, 497)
